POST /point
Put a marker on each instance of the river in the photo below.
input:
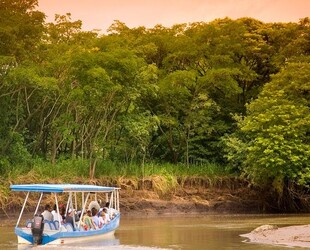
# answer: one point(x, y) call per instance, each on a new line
point(175, 232)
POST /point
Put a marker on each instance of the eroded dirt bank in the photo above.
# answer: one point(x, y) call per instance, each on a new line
point(196, 196)
point(154, 196)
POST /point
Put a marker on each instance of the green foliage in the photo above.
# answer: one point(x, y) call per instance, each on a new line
point(172, 170)
point(63, 30)
point(16, 154)
point(275, 131)
point(64, 170)
point(114, 104)
point(235, 151)
point(21, 28)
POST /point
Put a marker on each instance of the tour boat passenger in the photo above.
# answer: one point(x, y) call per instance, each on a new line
point(95, 217)
point(47, 214)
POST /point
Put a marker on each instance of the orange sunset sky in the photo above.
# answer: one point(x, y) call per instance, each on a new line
point(99, 14)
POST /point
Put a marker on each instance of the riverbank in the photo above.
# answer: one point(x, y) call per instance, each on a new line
point(192, 199)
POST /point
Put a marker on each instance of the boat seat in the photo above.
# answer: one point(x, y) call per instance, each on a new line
point(28, 223)
point(69, 227)
point(47, 225)
point(56, 223)
point(50, 225)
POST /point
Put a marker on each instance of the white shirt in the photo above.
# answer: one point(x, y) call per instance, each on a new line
point(101, 221)
point(96, 220)
point(107, 217)
point(47, 215)
point(57, 216)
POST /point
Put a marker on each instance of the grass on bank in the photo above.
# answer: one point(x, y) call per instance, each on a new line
point(69, 169)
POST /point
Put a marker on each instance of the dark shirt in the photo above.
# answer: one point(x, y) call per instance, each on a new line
point(69, 219)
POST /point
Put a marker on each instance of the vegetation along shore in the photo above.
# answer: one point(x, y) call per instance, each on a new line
point(201, 117)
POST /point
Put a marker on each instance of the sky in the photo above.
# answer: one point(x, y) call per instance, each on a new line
point(100, 14)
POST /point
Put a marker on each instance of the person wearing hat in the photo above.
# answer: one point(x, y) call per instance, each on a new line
point(70, 218)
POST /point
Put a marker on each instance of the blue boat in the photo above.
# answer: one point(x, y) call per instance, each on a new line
point(37, 230)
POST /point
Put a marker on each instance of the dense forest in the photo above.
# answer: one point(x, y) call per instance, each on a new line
point(229, 93)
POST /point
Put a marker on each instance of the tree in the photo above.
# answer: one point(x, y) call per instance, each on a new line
point(63, 30)
point(21, 28)
point(276, 132)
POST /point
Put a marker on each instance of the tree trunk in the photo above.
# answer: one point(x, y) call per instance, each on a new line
point(92, 167)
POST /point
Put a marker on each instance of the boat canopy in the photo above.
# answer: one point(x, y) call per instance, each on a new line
point(61, 188)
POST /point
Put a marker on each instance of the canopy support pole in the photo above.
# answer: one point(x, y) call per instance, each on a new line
point(75, 201)
point(39, 202)
point(21, 212)
point(83, 209)
point(57, 209)
point(111, 203)
point(69, 203)
point(117, 205)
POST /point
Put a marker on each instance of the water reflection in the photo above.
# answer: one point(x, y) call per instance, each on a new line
point(182, 232)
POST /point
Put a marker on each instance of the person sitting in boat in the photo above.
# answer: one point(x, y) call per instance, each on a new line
point(62, 211)
point(56, 215)
point(70, 218)
point(94, 213)
point(83, 224)
point(47, 213)
point(88, 222)
point(102, 219)
point(105, 211)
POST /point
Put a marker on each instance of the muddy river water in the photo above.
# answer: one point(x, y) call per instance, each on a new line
point(174, 232)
